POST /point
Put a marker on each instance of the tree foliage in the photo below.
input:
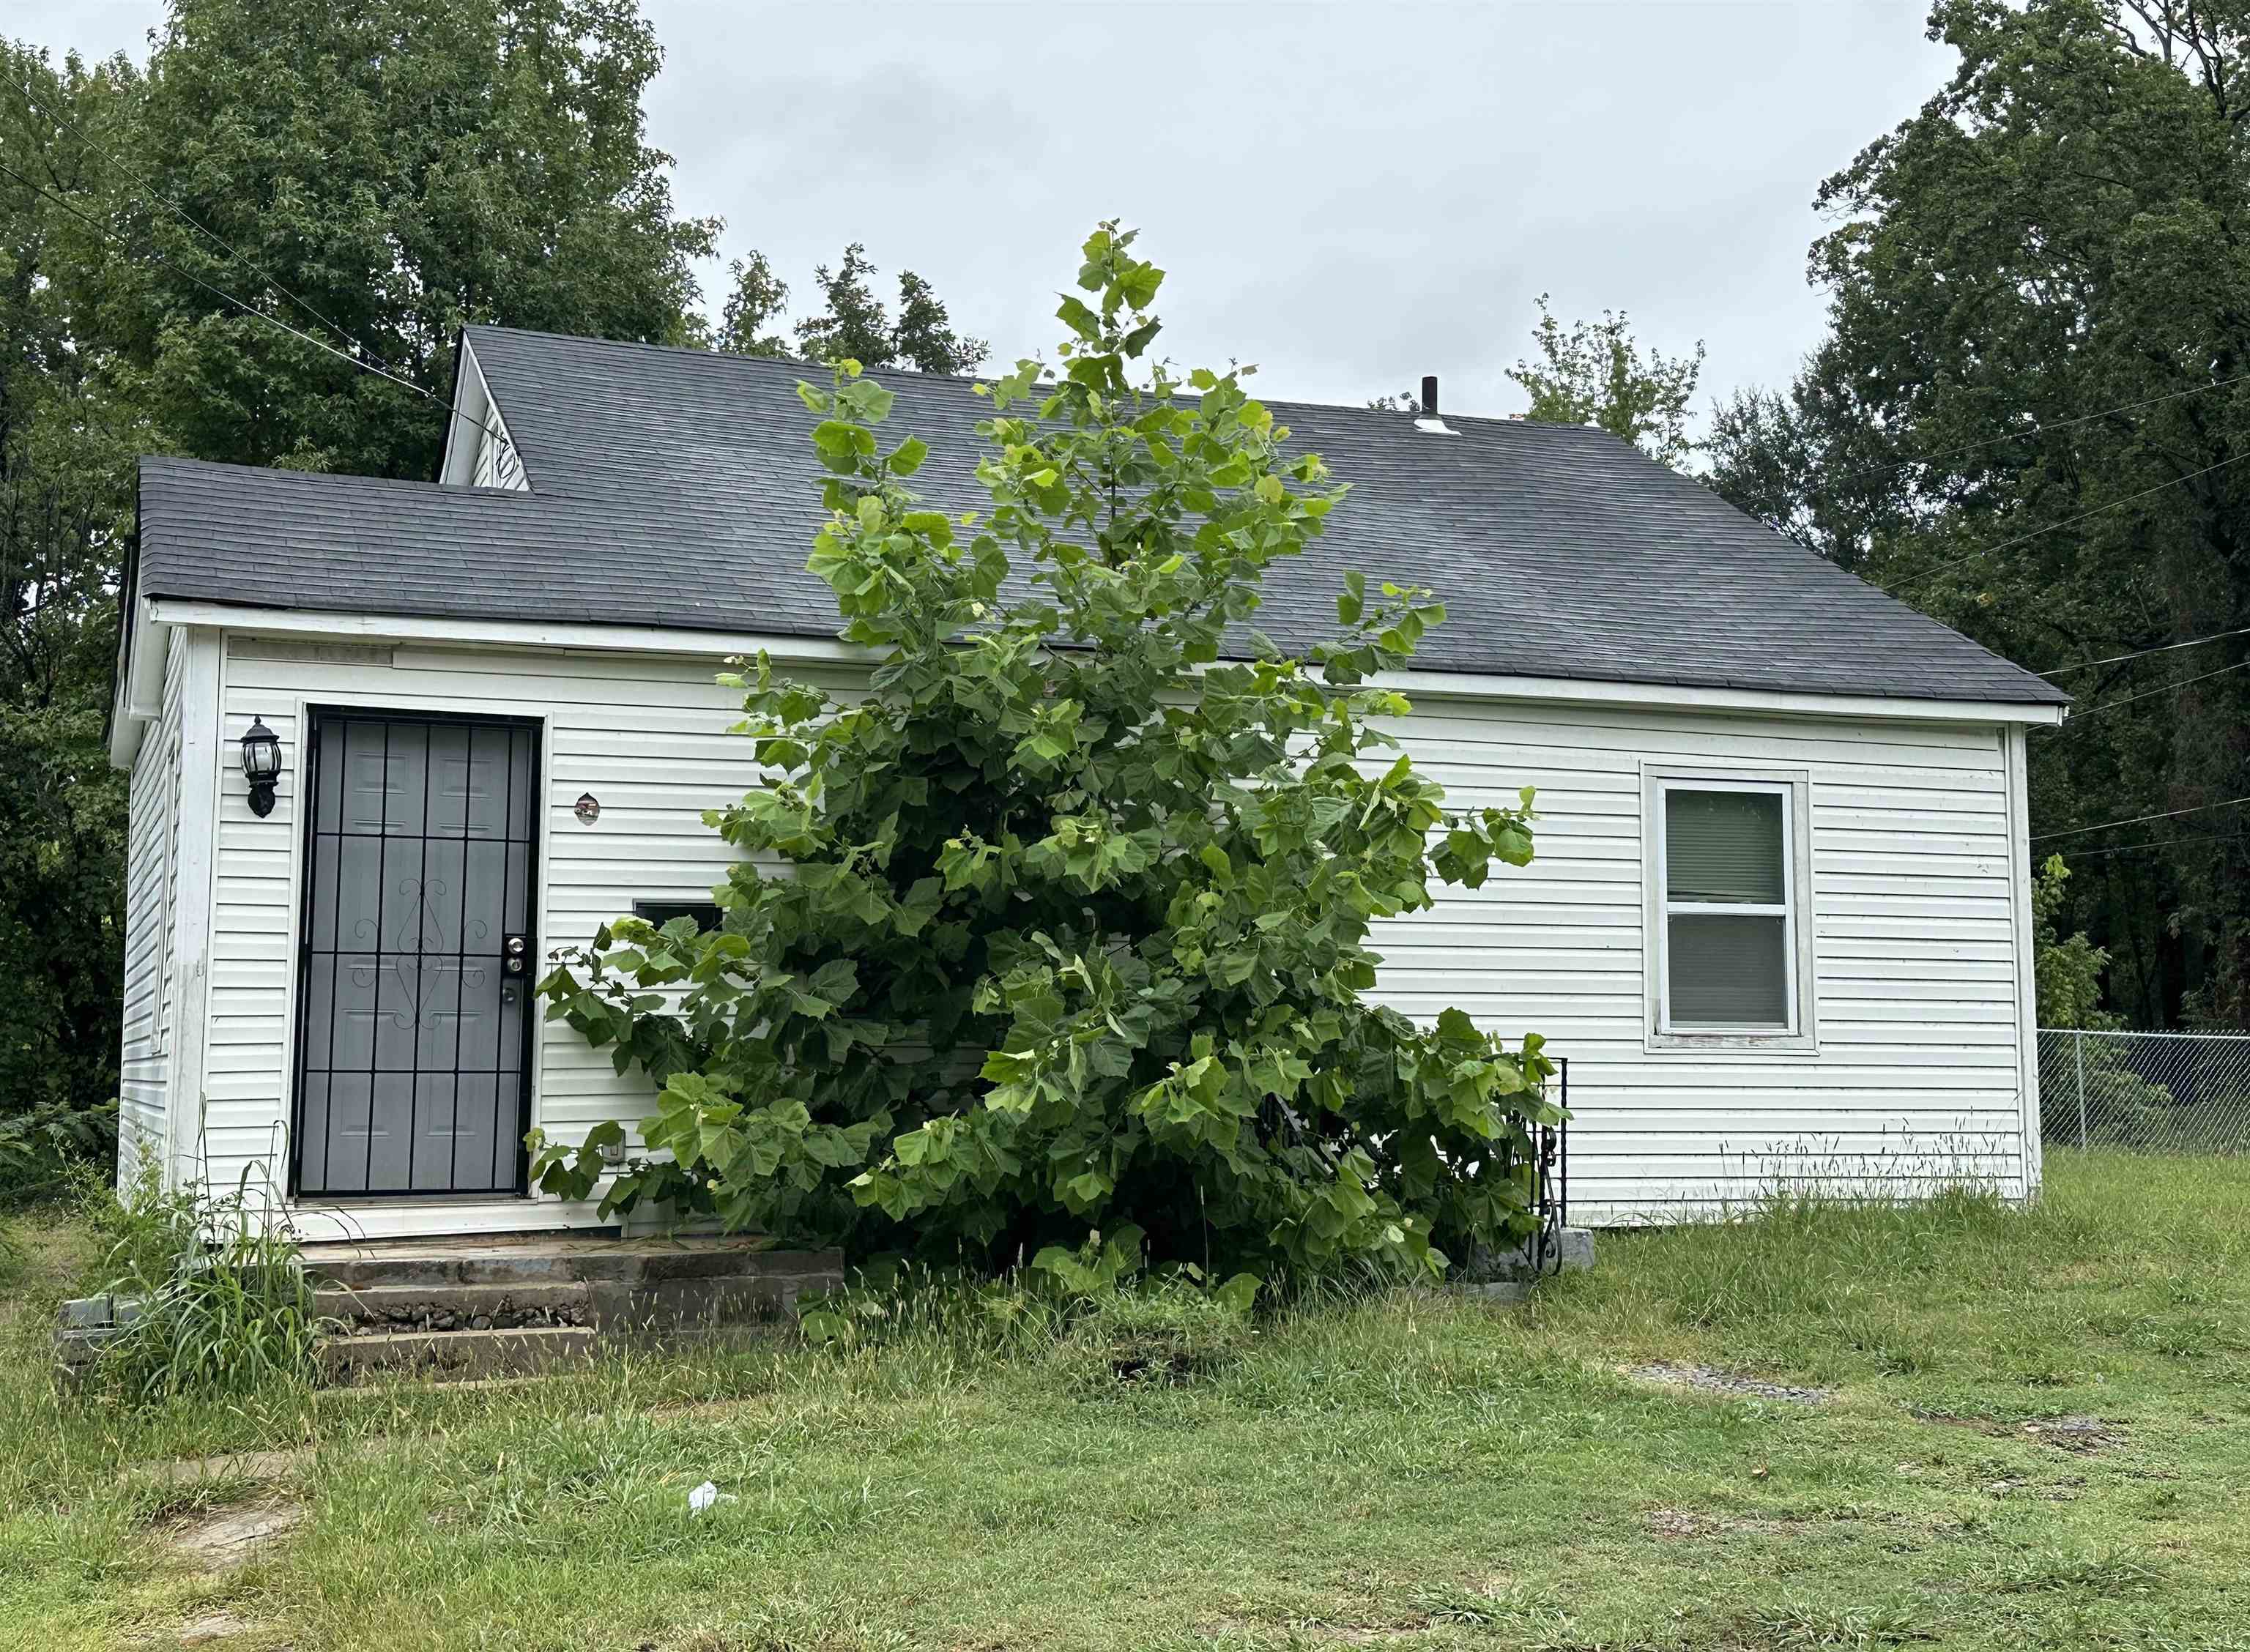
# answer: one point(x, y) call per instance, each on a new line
point(2028, 418)
point(2068, 972)
point(1596, 373)
point(1060, 924)
point(400, 167)
point(65, 443)
point(852, 323)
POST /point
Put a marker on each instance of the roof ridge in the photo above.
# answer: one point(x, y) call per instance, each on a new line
point(736, 360)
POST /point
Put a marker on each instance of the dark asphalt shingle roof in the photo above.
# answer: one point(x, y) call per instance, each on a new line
point(674, 487)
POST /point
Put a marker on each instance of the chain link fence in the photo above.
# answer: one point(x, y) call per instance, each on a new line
point(2160, 1092)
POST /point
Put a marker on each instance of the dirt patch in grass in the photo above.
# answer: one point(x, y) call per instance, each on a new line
point(2081, 1437)
point(213, 1626)
point(225, 1539)
point(1734, 1385)
point(1677, 1524)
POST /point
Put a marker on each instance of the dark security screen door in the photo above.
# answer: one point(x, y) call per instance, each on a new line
point(415, 954)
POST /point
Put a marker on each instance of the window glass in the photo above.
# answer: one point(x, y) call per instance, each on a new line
point(1722, 847)
point(1728, 971)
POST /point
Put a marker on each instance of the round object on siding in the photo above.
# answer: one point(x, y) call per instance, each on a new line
point(588, 808)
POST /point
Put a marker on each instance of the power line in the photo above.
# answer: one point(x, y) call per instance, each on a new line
point(2143, 653)
point(2040, 429)
point(188, 218)
point(2157, 842)
point(2056, 528)
point(249, 309)
point(2169, 814)
point(2149, 693)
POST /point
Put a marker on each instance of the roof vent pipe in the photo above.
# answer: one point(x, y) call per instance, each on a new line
point(1427, 419)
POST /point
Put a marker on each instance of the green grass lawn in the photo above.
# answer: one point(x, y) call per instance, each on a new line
point(1410, 1470)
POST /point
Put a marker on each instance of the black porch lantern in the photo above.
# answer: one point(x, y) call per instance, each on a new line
point(261, 765)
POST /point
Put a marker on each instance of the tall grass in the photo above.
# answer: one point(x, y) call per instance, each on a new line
point(223, 1306)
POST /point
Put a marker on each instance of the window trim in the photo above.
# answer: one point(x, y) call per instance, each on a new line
point(1801, 1035)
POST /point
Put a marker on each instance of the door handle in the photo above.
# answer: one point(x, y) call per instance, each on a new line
point(515, 953)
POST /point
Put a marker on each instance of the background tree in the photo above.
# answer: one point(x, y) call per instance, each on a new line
point(1596, 373)
point(852, 323)
point(1068, 934)
point(755, 302)
point(400, 167)
point(2068, 971)
point(65, 443)
point(2028, 419)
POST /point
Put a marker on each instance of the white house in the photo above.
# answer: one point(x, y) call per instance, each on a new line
point(1779, 922)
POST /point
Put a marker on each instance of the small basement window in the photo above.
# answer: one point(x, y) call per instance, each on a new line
point(660, 912)
point(1731, 962)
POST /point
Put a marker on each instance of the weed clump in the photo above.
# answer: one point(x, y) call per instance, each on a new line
point(1154, 1333)
point(223, 1306)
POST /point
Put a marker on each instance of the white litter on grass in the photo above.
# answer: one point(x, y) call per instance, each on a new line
point(705, 1495)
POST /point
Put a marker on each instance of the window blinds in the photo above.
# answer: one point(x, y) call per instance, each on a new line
point(1722, 846)
point(1728, 972)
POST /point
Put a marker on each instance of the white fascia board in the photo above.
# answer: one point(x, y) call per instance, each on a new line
point(661, 640)
point(474, 411)
point(464, 430)
point(140, 686)
point(568, 637)
point(1773, 702)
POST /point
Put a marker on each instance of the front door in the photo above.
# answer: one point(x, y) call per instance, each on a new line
point(415, 954)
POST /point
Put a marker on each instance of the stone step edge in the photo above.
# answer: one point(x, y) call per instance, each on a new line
point(470, 1354)
point(428, 1270)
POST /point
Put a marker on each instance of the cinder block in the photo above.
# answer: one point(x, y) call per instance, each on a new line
point(82, 1312)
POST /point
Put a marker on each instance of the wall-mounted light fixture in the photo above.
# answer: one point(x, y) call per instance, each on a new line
point(261, 765)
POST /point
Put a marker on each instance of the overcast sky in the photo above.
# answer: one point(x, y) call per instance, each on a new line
point(1349, 195)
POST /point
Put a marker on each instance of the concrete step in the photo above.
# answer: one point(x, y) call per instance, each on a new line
point(488, 1260)
point(457, 1356)
point(408, 1307)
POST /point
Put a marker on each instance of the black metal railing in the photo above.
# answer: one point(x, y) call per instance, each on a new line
point(1550, 1187)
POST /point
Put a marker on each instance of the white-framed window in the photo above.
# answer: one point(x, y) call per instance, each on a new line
point(1729, 953)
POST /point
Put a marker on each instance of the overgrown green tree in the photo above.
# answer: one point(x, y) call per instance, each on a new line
point(1061, 927)
point(2028, 419)
point(1596, 373)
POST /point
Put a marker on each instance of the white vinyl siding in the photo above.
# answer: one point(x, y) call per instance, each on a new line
point(151, 906)
point(1909, 913)
point(1909, 950)
point(647, 737)
point(498, 465)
